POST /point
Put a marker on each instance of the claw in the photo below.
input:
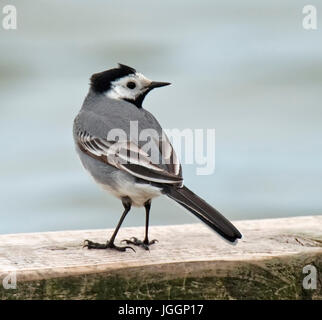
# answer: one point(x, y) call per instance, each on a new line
point(128, 247)
point(94, 245)
point(85, 243)
point(135, 241)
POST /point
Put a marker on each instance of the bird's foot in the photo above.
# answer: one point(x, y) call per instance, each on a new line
point(144, 244)
point(108, 245)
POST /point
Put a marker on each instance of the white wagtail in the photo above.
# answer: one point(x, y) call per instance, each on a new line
point(113, 102)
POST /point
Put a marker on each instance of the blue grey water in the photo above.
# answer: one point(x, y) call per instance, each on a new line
point(246, 68)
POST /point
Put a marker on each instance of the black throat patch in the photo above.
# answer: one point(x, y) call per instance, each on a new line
point(139, 100)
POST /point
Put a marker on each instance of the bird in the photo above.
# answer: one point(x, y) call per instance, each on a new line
point(119, 162)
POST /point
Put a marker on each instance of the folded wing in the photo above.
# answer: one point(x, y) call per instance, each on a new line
point(129, 157)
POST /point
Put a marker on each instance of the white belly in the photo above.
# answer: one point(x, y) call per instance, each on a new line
point(139, 193)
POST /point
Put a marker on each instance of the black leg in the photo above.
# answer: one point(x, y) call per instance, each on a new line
point(147, 207)
point(126, 201)
point(145, 243)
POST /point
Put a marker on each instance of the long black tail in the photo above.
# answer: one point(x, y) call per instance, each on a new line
point(204, 212)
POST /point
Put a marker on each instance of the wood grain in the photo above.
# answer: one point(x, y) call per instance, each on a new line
point(183, 250)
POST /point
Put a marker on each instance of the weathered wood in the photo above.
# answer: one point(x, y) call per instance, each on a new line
point(190, 262)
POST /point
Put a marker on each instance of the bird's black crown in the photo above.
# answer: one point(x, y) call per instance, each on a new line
point(101, 82)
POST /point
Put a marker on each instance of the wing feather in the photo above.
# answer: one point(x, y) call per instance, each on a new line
point(127, 156)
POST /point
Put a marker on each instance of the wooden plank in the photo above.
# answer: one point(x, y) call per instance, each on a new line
point(184, 252)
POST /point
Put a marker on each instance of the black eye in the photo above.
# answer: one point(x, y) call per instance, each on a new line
point(131, 85)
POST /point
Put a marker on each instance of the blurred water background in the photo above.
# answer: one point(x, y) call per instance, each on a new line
point(246, 68)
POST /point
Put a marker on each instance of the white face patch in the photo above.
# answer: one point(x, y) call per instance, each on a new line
point(128, 87)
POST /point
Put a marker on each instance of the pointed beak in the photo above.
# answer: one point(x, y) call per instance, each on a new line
point(155, 84)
